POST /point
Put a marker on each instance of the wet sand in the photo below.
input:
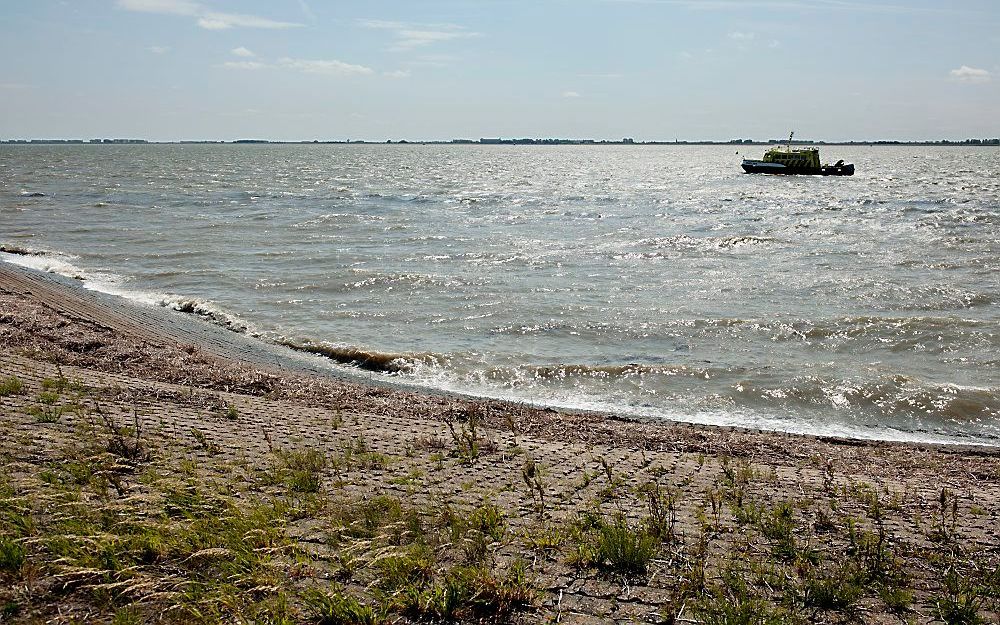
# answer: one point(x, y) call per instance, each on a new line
point(219, 399)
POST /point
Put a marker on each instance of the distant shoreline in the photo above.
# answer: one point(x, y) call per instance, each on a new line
point(501, 141)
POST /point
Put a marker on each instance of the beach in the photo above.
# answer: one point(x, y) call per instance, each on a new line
point(158, 468)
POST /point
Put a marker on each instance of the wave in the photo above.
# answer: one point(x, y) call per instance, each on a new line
point(369, 360)
point(53, 262)
point(58, 263)
point(206, 310)
point(606, 372)
point(890, 399)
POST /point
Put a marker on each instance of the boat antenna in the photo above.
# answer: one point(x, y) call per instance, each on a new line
point(790, 135)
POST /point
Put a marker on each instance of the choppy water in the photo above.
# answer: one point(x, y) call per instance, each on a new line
point(656, 281)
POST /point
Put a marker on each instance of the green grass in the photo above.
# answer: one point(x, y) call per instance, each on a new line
point(302, 470)
point(12, 555)
point(613, 546)
point(11, 386)
point(337, 608)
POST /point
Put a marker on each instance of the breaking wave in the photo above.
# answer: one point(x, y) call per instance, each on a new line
point(368, 360)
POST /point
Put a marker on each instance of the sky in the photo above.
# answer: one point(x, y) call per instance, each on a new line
point(168, 70)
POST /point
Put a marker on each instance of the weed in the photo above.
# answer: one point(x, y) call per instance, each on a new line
point(662, 507)
point(471, 593)
point(946, 521)
point(778, 526)
point(11, 386)
point(733, 601)
point(203, 443)
point(838, 588)
point(532, 476)
point(46, 413)
point(961, 601)
point(463, 425)
point(342, 609)
point(122, 441)
point(11, 555)
point(897, 600)
point(232, 413)
point(414, 568)
point(302, 469)
point(612, 546)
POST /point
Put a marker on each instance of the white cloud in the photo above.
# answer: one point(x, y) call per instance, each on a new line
point(168, 7)
point(159, 49)
point(307, 11)
point(738, 36)
point(241, 51)
point(252, 65)
point(410, 35)
point(212, 20)
point(570, 94)
point(970, 74)
point(206, 17)
point(796, 5)
point(433, 60)
point(601, 76)
point(330, 67)
point(310, 66)
point(399, 73)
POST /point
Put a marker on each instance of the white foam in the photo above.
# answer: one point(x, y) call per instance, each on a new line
point(113, 284)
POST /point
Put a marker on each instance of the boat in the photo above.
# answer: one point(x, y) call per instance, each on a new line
point(789, 161)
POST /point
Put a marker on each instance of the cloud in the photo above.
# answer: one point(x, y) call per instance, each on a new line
point(329, 67)
point(167, 7)
point(205, 17)
point(241, 51)
point(306, 11)
point(309, 66)
point(601, 76)
point(794, 5)
point(970, 74)
point(738, 36)
point(433, 60)
point(570, 94)
point(159, 49)
point(252, 65)
point(411, 35)
point(399, 73)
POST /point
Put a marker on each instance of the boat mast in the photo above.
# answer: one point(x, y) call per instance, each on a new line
point(790, 135)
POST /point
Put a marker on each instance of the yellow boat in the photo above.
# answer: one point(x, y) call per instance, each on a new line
point(788, 160)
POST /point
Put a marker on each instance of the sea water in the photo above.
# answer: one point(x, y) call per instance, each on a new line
point(652, 281)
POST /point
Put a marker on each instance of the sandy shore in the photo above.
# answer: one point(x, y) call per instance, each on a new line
point(421, 507)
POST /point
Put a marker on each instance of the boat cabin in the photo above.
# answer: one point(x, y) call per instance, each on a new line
point(804, 158)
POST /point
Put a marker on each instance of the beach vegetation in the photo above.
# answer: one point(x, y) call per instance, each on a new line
point(301, 469)
point(661, 506)
point(339, 608)
point(613, 546)
point(11, 385)
point(533, 478)
point(210, 447)
point(46, 411)
point(466, 436)
point(125, 442)
point(960, 600)
point(11, 555)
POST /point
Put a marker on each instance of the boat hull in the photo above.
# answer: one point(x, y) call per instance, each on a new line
point(763, 167)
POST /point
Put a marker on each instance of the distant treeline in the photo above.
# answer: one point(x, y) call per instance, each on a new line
point(525, 141)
